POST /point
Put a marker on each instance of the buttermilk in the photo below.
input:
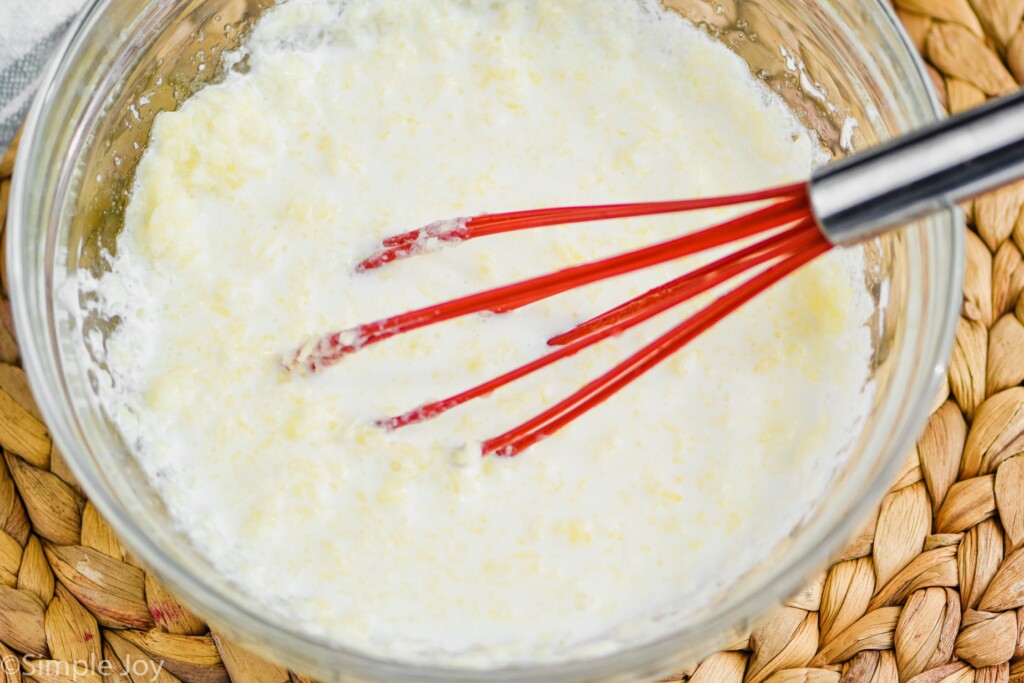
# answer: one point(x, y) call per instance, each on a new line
point(358, 119)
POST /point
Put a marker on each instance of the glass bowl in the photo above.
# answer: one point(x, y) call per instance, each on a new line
point(834, 61)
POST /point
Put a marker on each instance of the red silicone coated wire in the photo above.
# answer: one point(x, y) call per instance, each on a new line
point(409, 243)
point(795, 239)
point(551, 420)
point(332, 347)
point(626, 310)
point(493, 224)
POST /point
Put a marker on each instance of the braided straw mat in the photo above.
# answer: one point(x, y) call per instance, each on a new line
point(932, 589)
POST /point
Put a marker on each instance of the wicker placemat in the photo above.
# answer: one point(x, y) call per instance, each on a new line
point(931, 591)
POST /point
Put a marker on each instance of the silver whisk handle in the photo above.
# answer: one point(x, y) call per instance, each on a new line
point(921, 173)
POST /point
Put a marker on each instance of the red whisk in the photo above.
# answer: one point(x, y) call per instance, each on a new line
point(845, 202)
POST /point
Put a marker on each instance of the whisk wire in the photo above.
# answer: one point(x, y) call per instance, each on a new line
point(419, 240)
point(803, 234)
point(551, 420)
point(333, 347)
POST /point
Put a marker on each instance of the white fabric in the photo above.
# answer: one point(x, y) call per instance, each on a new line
point(29, 32)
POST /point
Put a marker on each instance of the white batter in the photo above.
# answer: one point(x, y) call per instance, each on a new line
point(362, 118)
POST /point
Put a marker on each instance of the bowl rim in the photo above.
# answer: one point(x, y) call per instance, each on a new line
point(229, 614)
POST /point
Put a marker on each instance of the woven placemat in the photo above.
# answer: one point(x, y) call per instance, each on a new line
point(932, 590)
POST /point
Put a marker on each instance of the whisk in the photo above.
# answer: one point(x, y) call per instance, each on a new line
point(845, 202)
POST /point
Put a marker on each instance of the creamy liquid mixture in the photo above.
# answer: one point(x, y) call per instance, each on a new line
point(356, 119)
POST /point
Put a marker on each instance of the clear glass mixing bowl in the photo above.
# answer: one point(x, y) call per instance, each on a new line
point(126, 60)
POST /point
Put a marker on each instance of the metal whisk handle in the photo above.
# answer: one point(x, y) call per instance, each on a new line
point(921, 173)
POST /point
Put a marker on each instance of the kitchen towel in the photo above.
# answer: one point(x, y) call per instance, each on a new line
point(30, 30)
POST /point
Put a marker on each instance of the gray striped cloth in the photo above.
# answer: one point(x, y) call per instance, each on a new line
point(30, 30)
